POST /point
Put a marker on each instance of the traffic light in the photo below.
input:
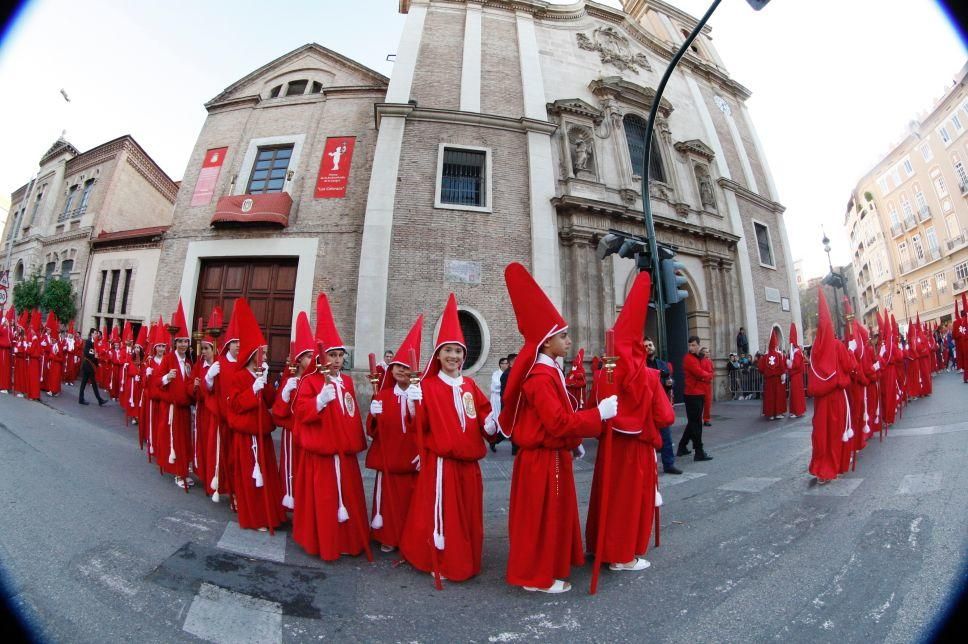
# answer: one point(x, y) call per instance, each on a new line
point(672, 277)
point(627, 246)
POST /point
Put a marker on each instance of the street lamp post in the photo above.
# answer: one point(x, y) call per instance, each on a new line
point(902, 291)
point(835, 280)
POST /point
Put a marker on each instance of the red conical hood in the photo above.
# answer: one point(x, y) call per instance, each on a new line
point(127, 335)
point(964, 303)
point(35, 324)
point(23, 320)
point(178, 320)
point(794, 338)
point(142, 339)
point(232, 331)
point(214, 322)
point(823, 355)
point(304, 337)
point(158, 334)
point(449, 333)
point(51, 324)
point(326, 331)
point(11, 316)
point(402, 356)
point(774, 341)
point(860, 333)
point(250, 334)
point(629, 329)
point(115, 334)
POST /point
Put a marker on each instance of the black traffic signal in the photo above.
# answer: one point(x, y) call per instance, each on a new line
point(672, 278)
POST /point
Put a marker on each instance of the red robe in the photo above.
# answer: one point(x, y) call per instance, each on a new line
point(960, 334)
point(924, 363)
point(798, 395)
point(831, 422)
point(6, 358)
point(148, 422)
point(392, 455)
point(859, 381)
point(258, 496)
point(633, 475)
point(887, 388)
point(707, 407)
point(35, 355)
point(174, 433)
point(20, 366)
point(544, 528)
point(772, 365)
point(200, 422)
point(55, 368)
point(329, 519)
point(453, 445)
point(218, 438)
point(45, 348)
point(131, 389)
point(288, 453)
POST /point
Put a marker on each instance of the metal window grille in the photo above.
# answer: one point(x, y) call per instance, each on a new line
point(635, 127)
point(462, 177)
point(269, 171)
point(763, 244)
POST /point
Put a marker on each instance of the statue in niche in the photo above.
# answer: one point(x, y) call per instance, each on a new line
point(582, 150)
point(706, 194)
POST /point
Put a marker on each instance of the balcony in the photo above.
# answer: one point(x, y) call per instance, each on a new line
point(909, 222)
point(964, 187)
point(924, 213)
point(959, 285)
point(76, 213)
point(957, 242)
point(933, 254)
point(268, 208)
point(896, 229)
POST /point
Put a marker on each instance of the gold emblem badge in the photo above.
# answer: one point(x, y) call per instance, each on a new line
point(469, 409)
point(349, 404)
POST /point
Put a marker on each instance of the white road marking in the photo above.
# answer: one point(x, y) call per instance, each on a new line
point(253, 543)
point(927, 431)
point(748, 484)
point(666, 480)
point(220, 615)
point(920, 483)
point(837, 487)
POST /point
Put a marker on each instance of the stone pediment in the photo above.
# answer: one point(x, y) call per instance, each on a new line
point(60, 146)
point(628, 92)
point(334, 68)
point(695, 147)
point(575, 106)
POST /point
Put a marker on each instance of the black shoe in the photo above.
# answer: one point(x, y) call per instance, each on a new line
point(672, 470)
point(83, 402)
point(493, 448)
point(102, 403)
point(702, 456)
point(707, 424)
point(683, 452)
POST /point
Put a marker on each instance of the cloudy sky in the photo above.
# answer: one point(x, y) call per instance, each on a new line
point(834, 82)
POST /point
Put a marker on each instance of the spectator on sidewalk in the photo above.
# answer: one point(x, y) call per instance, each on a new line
point(742, 342)
point(696, 378)
point(665, 377)
point(497, 386)
point(89, 367)
point(732, 373)
point(499, 438)
point(707, 408)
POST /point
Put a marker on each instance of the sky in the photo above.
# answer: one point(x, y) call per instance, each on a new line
point(834, 82)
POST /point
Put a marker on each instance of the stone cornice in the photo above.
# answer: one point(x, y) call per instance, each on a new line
point(629, 92)
point(749, 195)
point(233, 103)
point(696, 148)
point(575, 106)
point(411, 112)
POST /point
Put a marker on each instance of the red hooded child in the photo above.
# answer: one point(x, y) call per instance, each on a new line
point(393, 452)
point(444, 531)
point(772, 365)
point(55, 355)
point(6, 348)
point(173, 448)
point(794, 364)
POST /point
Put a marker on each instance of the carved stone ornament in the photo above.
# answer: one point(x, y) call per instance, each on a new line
point(613, 49)
point(706, 193)
point(628, 196)
point(582, 148)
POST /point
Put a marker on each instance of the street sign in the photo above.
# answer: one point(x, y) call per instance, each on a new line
point(3, 297)
point(5, 280)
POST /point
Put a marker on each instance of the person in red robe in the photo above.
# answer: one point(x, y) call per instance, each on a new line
point(857, 389)
point(134, 377)
point(794, 365)
point(200, 420)
point(707, 407)
point(828, 377)
point(55, 357)
point(300, 358)
point(35, 357)
point(888, 376)
point(176, 390)
point(772, 365)
point(444, 532)
point(218, 482)
point(912, 364)
point(329, 519)
point(150, 399)
point(393, 452)
point(19, 351)
point(542, 419)
point(925, 357)
point(631, 473)
point(258, 495)
point(74, 347)
point(960, 334)
point(6, 352)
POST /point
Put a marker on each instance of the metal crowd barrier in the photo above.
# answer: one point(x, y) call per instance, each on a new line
point(744, 383)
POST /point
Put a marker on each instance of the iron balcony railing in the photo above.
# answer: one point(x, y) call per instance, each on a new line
point(924, 213)
point(909, 222)
point(896, 229)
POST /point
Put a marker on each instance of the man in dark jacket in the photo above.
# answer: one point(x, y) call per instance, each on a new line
point(665, 377)
point(89, 362)
point(742, 342)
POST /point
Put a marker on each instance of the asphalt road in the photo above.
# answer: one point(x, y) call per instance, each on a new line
point(96, 547)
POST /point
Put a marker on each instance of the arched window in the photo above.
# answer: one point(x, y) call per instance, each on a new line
point(473, 336)
point(635, 127)
point(18, 273)
point(66, 267)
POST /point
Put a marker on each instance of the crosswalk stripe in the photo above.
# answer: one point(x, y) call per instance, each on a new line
point(837, 487)
point(666, 480)
point(920, 483)
point(253, 543)
point(220, 615)
point(748, 484)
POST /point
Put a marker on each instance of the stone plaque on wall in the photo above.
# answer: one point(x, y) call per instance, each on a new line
point(772, 294)
point(464, 272)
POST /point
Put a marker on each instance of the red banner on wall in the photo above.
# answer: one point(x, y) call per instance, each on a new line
point(208, 177)
point(334, 167)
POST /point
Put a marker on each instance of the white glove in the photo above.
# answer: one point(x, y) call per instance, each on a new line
point(165, 379)
point(789, 364)
point(883, 350)
point(291, 385)
point(214, 370)
point(326, 395)
point(416, 462)
point(414, 393)
point(782, 378)
point(265, 367)
point(259, 383)
point(877, 366)
point(149, 371)
point(376, 408)
point(137, 378)
point(852, 345)
point(608, 408)
point(44, 343)
point(490, 424)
